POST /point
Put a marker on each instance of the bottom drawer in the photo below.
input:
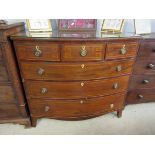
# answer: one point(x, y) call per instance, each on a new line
point(8, 110)
point(140, 96)
point(64, 109)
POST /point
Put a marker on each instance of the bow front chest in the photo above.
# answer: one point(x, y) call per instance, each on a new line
point(74, 78)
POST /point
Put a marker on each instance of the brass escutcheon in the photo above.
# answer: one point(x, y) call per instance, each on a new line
point(111, 106)
point(82, 84)
point(83, 51)
point(38, 52)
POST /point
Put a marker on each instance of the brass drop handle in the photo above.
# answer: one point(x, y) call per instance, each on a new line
point(145, 81)
point(150, 66)
point(44, 90)
point(118, 68)
point(37, 52)
point(123, 50)
point(83, 51)
point(40, 71)
point(47, 108)
point(115, 85)
point(140, 96)
point(111, 106)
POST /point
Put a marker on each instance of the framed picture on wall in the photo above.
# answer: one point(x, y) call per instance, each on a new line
point(77, 24)
point(112, 25)
point(35, 25)
point(142, 26)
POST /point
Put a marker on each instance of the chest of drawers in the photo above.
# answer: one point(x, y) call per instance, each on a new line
point(12, 101)
point(74, 78)
point(142, 84)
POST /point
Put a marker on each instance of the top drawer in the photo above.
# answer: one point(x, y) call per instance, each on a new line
point(147, 49)
point(38, 51)
point(121, 50)
point(83, 52)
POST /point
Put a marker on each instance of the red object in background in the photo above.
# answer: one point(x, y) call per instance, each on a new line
point(77, 24)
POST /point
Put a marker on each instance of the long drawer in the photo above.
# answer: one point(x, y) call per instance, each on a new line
point(73, 90)
point(38, 51)
point(8, 110)
point(144, 65)
point(72, 71)
point(7, 94)
point(142, 81)
point(141, 96)
point(121, 50)
point(3, 73)
point(75, 108)
point(83, 52)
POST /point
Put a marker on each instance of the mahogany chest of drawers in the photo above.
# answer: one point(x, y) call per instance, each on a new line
point(142, 84)
point(12, 102)
point(74, 78)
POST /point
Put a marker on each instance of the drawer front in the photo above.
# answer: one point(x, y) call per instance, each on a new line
point(78, 71)
point(38, 51)
point(145, 66)
point(75, 108)
point(74, 90)
point(79, 52)
point(147, 49)
point(121, 50)
point(142, 81)
point(3, 73)
point(8, 110)
point(141, 96)
point(6, 94)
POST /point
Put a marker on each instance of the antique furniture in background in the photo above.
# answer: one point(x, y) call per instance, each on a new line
point(142, 84)
point(74, 78)
point(12, 103)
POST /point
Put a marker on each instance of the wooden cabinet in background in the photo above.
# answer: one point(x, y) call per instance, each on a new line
point(12, 102)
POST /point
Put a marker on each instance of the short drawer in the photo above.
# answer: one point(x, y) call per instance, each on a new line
point(74, 90)
point(3, 73)
point(121, 50)
point(7, 94)
point(80, 52)
point(78, 71)
point(8, 110)
point(142, 81)
point(144, 66)
point(38, 51)
point(147, 49)
point(75, 108)
point(140, 96)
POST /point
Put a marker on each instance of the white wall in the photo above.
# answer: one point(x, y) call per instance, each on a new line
point(128, 27)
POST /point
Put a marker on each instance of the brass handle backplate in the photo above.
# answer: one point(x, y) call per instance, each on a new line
point(140, 96)
point(40, 71)
point(115, 85)
point(44, 90)
point(47, 108)
point(37, 52)
point(118, 68)
point(83, 51)
point(123, 50)
point(145, 81)
point(150, 66)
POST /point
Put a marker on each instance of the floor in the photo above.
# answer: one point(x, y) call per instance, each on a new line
point(137, 119)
